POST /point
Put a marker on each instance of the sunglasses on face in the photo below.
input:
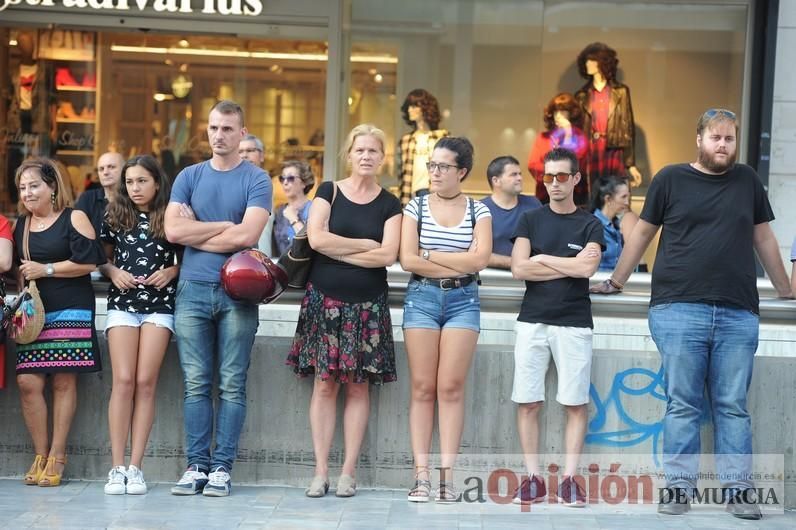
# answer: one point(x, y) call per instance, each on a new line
point(443, 168)
point(287, 178)
point(715, 112)
point(562, 177)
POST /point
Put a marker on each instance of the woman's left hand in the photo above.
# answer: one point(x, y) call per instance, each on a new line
point(161, 278)
point(32, 270)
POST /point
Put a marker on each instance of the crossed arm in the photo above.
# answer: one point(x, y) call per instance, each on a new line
point(183, 228)
point(446, 264)
point(367, 253)
point(543, 267)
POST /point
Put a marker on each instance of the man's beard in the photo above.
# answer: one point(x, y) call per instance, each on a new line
point(708, 161)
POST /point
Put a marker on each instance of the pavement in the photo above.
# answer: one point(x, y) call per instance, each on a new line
point(83, 505)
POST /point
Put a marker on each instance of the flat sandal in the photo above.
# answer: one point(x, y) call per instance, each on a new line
point(318, 487)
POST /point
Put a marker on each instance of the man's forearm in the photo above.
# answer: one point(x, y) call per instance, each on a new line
point(639, 240)
point(575, 267)
point(500, 261)
point(192, 233)
point(534, 272)
point(768, 252)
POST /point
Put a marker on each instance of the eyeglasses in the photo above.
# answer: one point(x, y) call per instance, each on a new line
point(250, 150)
point(287, 178)
point(443, 168)
point(562, 177)
point(714, 112)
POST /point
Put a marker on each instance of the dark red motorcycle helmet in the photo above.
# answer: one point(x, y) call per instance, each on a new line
point(250, 275)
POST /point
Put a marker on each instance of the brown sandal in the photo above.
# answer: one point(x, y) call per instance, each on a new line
point(36, 471)
point(49, 478)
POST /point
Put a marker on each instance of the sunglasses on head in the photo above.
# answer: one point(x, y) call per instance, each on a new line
point(287, 178)
point(715, 112)
point(562, 177)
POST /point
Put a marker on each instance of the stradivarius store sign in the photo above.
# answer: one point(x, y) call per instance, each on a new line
point(210, 7)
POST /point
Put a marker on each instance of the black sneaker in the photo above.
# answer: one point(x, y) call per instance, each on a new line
point(674, 501)
point(743, 505)
point(570, 493)
point(531, 490)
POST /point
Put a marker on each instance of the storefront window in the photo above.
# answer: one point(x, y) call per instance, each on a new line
point(493, 66)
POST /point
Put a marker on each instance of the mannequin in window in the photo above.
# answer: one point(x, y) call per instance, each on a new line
point(31, 123)
point(563, 120)
point(420, 111)
point(608, 115)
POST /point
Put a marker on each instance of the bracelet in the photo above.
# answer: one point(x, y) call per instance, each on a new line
point(615, 284)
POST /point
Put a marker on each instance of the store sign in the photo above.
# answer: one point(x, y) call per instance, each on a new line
point(210, 7)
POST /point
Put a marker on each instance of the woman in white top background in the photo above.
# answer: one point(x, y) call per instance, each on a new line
point(442, 310)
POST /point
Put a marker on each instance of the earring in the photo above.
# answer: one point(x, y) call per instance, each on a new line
point(52, 198)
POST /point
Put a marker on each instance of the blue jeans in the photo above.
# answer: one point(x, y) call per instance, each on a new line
point(713, 346)
point(212, 331)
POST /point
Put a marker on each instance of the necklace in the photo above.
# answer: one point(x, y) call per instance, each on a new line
point(40, 223)
point(448, 198)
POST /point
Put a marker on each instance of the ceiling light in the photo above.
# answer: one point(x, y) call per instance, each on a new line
point(183, 43)
point(12, 42)
point(209, 52)
point(378, 78)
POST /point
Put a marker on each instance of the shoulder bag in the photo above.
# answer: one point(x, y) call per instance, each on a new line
point(27, 320)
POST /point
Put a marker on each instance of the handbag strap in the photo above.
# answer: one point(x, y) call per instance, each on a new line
point(26, 238)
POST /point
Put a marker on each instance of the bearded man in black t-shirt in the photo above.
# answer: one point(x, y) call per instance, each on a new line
point(703, 313)
point(557, 248)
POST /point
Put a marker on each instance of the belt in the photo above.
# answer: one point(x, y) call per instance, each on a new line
point(446, 283)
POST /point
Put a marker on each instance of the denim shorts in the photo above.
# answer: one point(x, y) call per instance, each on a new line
point(135, 320)
point(428, 306)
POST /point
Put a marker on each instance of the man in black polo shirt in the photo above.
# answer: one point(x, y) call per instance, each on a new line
point(557, 249)
point(703, 312)
point(94, 201)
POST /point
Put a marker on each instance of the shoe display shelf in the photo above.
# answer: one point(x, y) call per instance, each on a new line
point(76, 103)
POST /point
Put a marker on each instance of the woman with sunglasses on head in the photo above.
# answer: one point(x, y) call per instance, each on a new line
point(344, 332)
point(297, 181)
point(446, 239)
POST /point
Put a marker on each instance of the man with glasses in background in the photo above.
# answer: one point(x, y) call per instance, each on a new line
point(703, 312)
point(251, 148)
point(557, 249)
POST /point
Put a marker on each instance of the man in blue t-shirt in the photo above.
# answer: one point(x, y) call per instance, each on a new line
point(506, 205)
point(217, 208)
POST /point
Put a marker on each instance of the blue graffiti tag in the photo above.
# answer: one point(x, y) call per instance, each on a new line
point(636, 432)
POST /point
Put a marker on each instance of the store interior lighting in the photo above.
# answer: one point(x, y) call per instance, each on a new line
point(208, 52)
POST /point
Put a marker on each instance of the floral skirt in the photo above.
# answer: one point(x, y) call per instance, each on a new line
point(346, 342)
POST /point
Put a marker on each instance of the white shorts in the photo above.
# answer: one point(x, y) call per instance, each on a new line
point(135, 320)
point(571, 349)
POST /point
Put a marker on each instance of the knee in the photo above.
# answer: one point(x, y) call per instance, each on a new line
point(530, 409)
point(357, 391)
point(64, 383)
point(145, 387)
point(424, 392)
point(576, 411)
point(29, 387)
point(452, 391)
point(123, 385)
point(325, 390)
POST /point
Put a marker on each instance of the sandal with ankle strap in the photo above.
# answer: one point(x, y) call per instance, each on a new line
point(36, 470)
point(421, 491)
point(447, 494)
point(53, 479)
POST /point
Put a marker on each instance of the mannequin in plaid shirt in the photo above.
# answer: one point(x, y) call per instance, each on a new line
point(420, 111)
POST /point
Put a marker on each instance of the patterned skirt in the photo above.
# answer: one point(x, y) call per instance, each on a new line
point(67, 343)
point(346, 342)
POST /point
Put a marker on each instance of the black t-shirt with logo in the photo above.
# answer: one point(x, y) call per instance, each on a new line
point(564, 301)
point(706, 249)
point(141, 254)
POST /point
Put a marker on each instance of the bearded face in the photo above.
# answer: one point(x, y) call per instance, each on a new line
point(717, 147)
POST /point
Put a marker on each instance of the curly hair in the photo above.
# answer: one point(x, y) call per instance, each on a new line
point(122, 213)
point(605, 57)
point(563, 102)
point(428, 105)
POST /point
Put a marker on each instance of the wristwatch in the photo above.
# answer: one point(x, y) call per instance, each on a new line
point(426, 254)
point(50, 269)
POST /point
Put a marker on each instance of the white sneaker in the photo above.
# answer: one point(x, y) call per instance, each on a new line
point(135, 481)
point(218, 484)
point(117, 477)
